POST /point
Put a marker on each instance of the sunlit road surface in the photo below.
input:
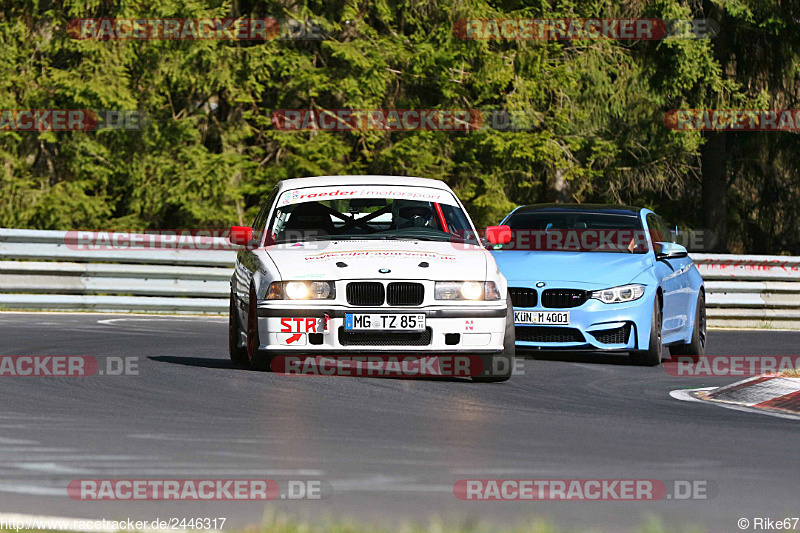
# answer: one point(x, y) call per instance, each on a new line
point(390, 449)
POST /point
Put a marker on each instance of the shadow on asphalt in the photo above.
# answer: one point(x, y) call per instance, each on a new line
point(576, 357)
point(597, 358)
point(205, 362)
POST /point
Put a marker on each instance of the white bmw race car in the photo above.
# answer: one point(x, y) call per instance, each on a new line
point(339, 266)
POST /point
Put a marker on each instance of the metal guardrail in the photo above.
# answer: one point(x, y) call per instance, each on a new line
point(56, 271)
point(49, 270)
point(751, 290)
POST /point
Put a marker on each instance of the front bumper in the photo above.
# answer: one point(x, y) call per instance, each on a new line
point(313, 329)
point(593, 325)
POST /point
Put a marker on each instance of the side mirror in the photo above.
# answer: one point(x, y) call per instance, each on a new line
point(670, 250)
point(498, 234)
point(241, 235)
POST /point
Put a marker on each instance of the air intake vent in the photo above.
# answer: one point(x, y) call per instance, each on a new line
point(405, 294)
point(365, 293)
point(523, 297)
point(564, 298)
point(385, 338)
point(613, 336)
point(548, 334)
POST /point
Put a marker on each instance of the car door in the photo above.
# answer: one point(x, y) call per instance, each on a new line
point(668, 271)
point(686, 296)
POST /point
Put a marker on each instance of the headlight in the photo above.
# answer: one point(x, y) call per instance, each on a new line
point(466, 290)
point(623, 293)
point(471, 290)
point(296, 290)
point(301, 290)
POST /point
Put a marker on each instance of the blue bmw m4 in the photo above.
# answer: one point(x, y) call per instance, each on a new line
point(600, 277)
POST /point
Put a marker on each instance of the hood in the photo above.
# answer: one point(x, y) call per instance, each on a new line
point(334, 260)
point(591, 268)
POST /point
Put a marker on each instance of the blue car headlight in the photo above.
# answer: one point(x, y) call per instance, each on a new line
point(623, 293)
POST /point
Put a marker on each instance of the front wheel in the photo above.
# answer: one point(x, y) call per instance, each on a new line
point(238, 353)
point(655, 350)
point(257, 359)
point(697, 346)
point(498, 367)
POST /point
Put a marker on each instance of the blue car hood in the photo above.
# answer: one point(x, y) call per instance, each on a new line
point(591, 268)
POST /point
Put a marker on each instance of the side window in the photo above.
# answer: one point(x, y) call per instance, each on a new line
point(668, 233)
point(261, 219)
point(655, 228)
point(281, 218)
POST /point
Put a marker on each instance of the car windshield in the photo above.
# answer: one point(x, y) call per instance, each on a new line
point(576, 231)
point(369, 213)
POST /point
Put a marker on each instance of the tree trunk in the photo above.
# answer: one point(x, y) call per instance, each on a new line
point(562, 191)
point(714, 152)
point(715, 188)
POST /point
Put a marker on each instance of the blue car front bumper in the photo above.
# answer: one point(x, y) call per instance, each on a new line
point(593, 325)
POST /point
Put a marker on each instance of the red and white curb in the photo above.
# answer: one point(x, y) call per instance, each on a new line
point(769, 394)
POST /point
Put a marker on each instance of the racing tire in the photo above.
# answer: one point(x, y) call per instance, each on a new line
point(655, 350)
point(498, 367)
point(238, 353)
point(697, 346)
point(256, 359)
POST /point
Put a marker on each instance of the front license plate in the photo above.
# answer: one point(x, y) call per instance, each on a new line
point(560, 318)
point(357, 321)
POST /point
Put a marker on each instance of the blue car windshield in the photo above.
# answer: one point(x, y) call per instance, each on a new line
point(576, 231)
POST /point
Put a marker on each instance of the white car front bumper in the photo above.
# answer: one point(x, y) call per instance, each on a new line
point(448, 329)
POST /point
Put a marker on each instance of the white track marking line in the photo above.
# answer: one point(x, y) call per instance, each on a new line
point(110, 321)
point(35, 490)
point(6, 440)
point(686, 396)
point(381, 483)
point(99, 473)
point(51, 468)
point(508, 471)
point(406, 487)
point(156, 436)
point(68, 313)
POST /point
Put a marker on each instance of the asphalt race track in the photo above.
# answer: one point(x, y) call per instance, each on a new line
point(391, 449)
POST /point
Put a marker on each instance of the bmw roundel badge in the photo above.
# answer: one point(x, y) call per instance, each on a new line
point(384, 270)
point(540, 284)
